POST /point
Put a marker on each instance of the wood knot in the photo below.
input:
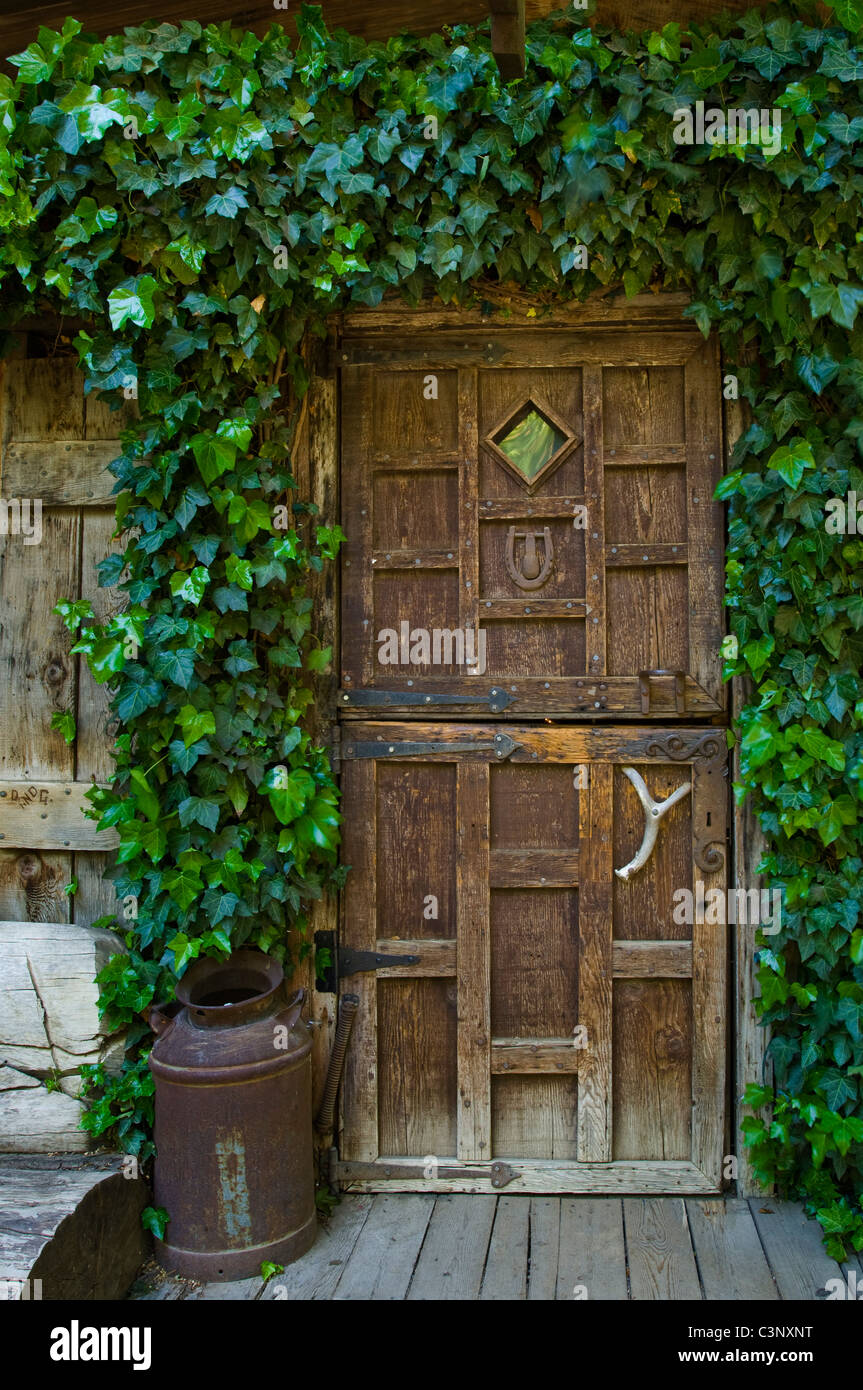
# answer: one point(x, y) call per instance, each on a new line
point(29, 868)
point(54, 672)
point(670, 1045)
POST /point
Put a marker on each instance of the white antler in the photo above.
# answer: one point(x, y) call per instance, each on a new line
point(653, 813)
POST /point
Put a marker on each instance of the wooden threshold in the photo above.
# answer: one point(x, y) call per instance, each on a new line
point(534, 1175)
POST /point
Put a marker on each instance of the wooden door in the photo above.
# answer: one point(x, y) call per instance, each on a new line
point(532, 547)
point(556, 1017)
point(559, 502)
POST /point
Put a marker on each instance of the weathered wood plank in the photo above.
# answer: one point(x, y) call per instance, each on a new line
point(594, 537)
point(78, 1231)
point(505, 1274)
point(474, 959)
point(709, 974)
point(730, 1257)
point(547, 1177)
point(507, 37)
point(317, 1274)
point(517, 348)
point(703, 406)
point(794, 1247)
point(63, 473)
point(592, 1257)
point(600, 308)
point(651, 959)
point(544, 1248)
point(661, 1261)
point(39, 815)
point(595, 918)
point(437, 958)
point(43, 400)
point(33, 886)
point(606, 698)
point(49, 1022)
point(33, 1119)
point(37, 672)
point(233, 1290)
point(534, 868)
point(533, 1056)
point(452, 1259)
point(359, 1092)
point(381, 1264)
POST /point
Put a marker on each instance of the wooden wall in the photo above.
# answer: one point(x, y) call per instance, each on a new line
point(55, 447)
point(373, 19)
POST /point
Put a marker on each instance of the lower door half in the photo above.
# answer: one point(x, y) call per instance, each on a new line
point(547, 1011)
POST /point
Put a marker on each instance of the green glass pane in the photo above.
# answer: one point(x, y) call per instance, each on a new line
point(531, 443)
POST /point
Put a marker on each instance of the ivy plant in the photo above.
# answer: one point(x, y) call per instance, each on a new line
point(202, 199)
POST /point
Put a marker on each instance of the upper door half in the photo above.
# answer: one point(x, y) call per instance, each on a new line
point(531, 525)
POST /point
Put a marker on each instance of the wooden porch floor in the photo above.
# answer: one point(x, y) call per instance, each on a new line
point(399, 1246)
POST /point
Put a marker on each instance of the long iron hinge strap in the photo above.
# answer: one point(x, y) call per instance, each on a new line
point(497, 1173)
point(496, 699)
point(503, 747)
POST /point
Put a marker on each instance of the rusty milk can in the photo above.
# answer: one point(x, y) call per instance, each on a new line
point(233, 1132)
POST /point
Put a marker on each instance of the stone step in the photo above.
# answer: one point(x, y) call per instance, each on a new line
point(70, 1226)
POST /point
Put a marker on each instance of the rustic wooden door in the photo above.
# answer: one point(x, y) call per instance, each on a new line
point(532, 537)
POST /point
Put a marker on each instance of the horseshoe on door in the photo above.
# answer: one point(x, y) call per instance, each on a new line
point(653, 813)
point(532, 573)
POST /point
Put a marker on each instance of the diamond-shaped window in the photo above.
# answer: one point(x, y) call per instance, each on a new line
point(531, 442)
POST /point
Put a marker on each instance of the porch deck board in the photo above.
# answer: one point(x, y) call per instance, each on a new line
point(399, 1246)
point(505, 1275)
point(452, 1260)
point(382, 1262)
point(661, 1259)
point(592, 1261)
point(800, 1264)
point(544, 1248)
point(730, 1257)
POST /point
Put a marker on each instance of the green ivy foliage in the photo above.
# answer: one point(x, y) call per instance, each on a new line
point(204, 198)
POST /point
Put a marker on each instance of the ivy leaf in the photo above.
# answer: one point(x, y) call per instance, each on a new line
point(195, 723)
point(155, 1220)
point(239, 571)
point(139, 692)
point(175, 665)
point(214, 455)
point(190, 587)
point(836, 1088)
point(181, 888)
point(288, 792)
point(476, 208)
point(65, 723)
point(145, 798)
point(132, 302)
point(791, 462)
point(848, 12)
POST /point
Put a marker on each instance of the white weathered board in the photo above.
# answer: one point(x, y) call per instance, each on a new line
point(49, 1027)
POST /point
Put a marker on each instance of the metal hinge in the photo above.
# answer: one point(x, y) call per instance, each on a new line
point(503, 747)
point(497, 1173)
point(496, 699)
point(347, 961)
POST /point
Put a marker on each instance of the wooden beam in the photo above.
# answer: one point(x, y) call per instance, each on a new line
point(371, 19)
point(507, 37)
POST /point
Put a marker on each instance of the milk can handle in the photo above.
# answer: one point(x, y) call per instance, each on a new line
point(159, 1018)
point(295, 1006)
